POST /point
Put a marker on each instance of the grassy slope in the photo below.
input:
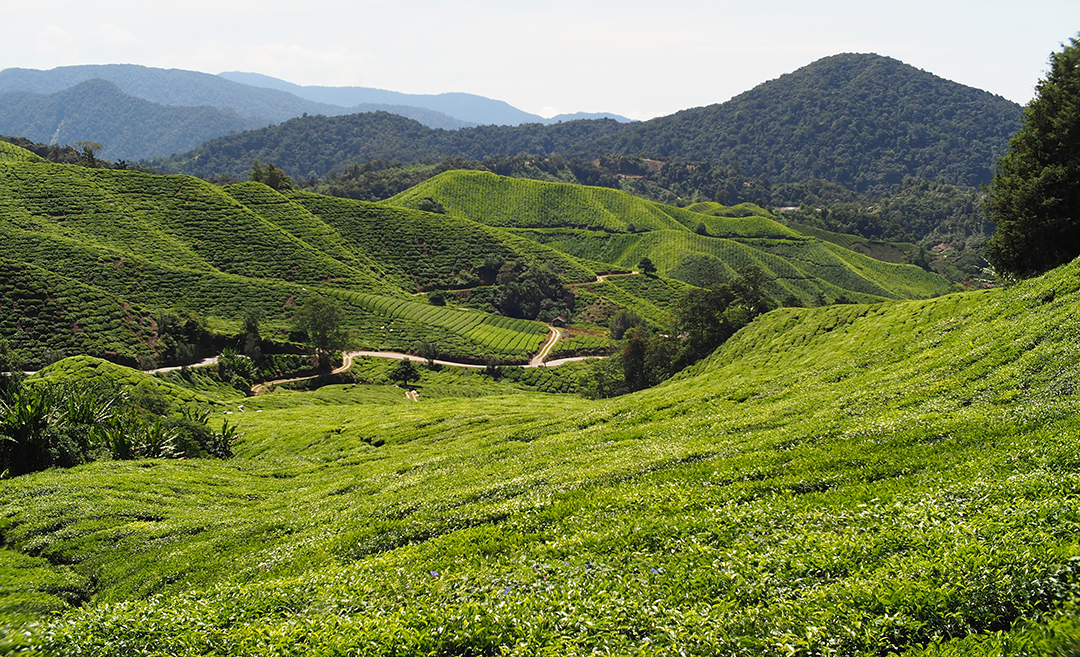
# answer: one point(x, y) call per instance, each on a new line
point(13, 153)
point(429, 250)
point(592, 223)
point(37, 301)
point(98, 240)
point(515, 203)
point(877, 249)
point(652, 297)
point(841, 480)
point(809, 270)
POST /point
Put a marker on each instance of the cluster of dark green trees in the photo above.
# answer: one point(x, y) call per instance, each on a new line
point(318, 325)
point(704, 319)
point(84, 153)
point(270, 176)
point(1035, 195)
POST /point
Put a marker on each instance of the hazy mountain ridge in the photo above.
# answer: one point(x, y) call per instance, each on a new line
point(480, 110)
point(128, 127)
point(264, 102)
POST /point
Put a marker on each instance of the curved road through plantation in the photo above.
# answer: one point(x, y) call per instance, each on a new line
point(603, 279)
point(347, 361)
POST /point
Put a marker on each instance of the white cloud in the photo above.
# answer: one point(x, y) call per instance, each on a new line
point(56, 42)
point(114, 35)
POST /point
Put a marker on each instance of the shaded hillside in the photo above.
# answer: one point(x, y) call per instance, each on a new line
point(864, 121)
point(896, 478)
point(168, 87)
point(128, 127)
point(316, 145)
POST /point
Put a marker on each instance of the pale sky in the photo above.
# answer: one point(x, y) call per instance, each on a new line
point(635, 58)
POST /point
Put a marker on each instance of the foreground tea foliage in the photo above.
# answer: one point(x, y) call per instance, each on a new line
point(849, 480)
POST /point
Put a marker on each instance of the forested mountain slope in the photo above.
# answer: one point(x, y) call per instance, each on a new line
point(127, 127)
point(861, 120)
point(865, 121)
point(858, 479)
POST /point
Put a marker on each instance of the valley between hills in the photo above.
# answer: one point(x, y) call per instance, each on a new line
point(463, 404)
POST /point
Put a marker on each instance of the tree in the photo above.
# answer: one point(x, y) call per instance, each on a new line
point(11, 375)
point(1035, 195)
point(428, 352)
point(252, 342)
point(623, 321)
point(646, 266)
point(320, 320)
point(270, 176)
point(404, 372)
point(428, 204)
point(88, 157)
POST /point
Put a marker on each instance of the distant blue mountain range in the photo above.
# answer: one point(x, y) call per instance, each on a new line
point(151, 112)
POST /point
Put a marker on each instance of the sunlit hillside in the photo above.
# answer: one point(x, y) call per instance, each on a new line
point(855, 479)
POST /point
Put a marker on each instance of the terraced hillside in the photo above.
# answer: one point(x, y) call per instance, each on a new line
point(431, 250)
point(133, 245)
point(105, 251)
point(516, 203)
point(702, 248)
point(12, 153)
point(897, 478)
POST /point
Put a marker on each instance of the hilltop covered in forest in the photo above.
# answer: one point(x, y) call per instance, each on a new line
point(863, 121)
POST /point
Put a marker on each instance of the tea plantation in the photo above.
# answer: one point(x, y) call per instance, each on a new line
point(705, 244)
point(892, 478)
point(92, 257)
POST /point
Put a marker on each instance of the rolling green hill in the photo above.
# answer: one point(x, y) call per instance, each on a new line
point(897, 478)
point(500, 201)
point(12, 153)
point(127, 240)
point(612, 227)
point(431, 250)
point(106, 251)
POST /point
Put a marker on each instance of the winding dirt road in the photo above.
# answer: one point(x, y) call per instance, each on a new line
point(347, 361)
point(601, 279)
